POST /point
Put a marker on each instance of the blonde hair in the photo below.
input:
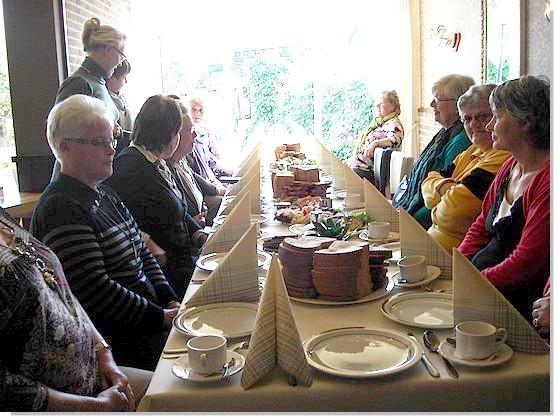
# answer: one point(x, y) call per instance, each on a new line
point(392, 98)
point(96, 35)
point(196, 100)
point(453, 86)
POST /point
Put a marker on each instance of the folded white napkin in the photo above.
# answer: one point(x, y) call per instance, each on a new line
point(354, 185)
point(245, 184)
point(475, 298)
point(324, 158)
point(378, 208)
point(235, 279)
point(246, 163)
point(250, 168)
point(275, 338)
point(414, 240)
point(339, 182)
point(236, 223)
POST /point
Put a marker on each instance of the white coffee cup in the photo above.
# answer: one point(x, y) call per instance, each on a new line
point(378, 229)
point(412, 268)
point(207, 354)
point(478, 340)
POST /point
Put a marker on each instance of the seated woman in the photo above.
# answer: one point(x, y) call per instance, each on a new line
point(455, 194)
point(449, 142)
point(145, 183)
point(52, 358)
point(509, 241)
point(202, 196)
point(114, 84)
point(208, 163)
point(108, 266)
point(385, 131)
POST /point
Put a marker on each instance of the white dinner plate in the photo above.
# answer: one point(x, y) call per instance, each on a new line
point(504, 353)
point(341, 193)
point(428, 310)
point(300, 229)
point(375, 295)
point(359, 352)
point(231, 320)
point(181, 369)
point(255, 219)
point(433, 273)
point(392, 237)
point(210, 261)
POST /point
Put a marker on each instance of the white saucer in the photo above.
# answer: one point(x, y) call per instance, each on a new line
point(433, 273)
point(392, 237)
point(504, 353)
point(181, 369)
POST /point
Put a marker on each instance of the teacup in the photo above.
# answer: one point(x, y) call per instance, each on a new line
point(207, 354)
point(412, 268)
point(478, 340)
point(378, 229)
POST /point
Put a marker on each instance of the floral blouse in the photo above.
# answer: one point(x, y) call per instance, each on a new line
point(46, 338)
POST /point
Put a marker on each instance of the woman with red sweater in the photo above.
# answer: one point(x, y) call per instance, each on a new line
point(509, 241)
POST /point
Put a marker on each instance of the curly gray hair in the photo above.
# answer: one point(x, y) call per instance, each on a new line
point(526, 99)
point(474, 95)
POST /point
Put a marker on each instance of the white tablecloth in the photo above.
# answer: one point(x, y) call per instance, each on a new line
point(522, 384)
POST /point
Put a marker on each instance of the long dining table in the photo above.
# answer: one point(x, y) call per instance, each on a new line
point(520, 385)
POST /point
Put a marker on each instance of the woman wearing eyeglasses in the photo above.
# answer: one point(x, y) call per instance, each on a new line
point(104, 46)
point(455, 194)
point(449, 142)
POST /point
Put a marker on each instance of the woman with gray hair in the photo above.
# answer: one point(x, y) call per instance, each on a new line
point(384, 131)
point(455, 194)
point(509, 242)
point(450, 141)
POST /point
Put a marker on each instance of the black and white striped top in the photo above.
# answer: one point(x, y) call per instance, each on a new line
point(110, 270)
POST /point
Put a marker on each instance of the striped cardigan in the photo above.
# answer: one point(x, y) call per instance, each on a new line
point(109, 268)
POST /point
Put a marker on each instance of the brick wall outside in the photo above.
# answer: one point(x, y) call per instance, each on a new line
point(110, 12)
point(427, 127)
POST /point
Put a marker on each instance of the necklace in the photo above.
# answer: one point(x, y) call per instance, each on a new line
point(20, 247)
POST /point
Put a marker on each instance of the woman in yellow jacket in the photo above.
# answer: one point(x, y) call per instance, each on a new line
point(455, 194)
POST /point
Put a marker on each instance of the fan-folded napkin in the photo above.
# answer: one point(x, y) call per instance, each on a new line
point(414, 240)
point(339, 182)
point(354, 185)
point(236, 223)
point(236, 277)
point(275, 338)
point(475, 298)
point(378, 208)
point(245, 184)
point(246, 163)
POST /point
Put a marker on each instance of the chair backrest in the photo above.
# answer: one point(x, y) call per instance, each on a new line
point(381, 171)
point(401, 165)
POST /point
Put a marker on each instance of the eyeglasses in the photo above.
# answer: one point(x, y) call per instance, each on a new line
point(482, 118)
point(122, 55)
point(112, 142)
point(438, 100)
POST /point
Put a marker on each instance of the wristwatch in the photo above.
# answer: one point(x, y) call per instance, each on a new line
point(102, 344)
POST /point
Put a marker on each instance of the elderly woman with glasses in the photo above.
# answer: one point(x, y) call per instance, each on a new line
point(449, 142)
point(148, 187)
point(104, 46)
point(509, 242)
point(455, 194)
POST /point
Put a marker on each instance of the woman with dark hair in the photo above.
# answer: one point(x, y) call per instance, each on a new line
point(145, 183)
point(114, 85)
point(509, 241)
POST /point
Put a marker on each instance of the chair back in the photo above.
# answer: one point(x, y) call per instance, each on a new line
point(400, 166)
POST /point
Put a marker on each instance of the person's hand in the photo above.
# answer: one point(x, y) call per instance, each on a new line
point(369, 151)
point(110, 375)
point(221, 191)
point(173, 304)
point(200, 218)
point(445, 186)
point(541, 315)
point(114, 399)
point(117, 131)
point(169, 314)
point(202, 239)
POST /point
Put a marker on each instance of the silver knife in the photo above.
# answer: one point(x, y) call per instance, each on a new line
point(427, 363)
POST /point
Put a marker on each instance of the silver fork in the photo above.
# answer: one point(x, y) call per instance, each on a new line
point(227, 367)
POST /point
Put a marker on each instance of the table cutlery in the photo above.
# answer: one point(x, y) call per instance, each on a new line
point(175, 351)
point(437, 290)
point(427, 363)
point(227, 367)
point(431, 341)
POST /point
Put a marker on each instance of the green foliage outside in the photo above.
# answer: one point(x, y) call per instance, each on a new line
point(492, 71)
point(282, 104)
